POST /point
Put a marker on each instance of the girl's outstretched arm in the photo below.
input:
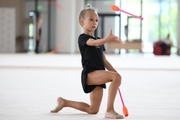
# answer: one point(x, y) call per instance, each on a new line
point(110, 38)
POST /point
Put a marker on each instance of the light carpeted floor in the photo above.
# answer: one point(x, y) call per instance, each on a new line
point(30, 84)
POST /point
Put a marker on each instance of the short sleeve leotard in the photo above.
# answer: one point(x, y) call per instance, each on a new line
point(91, 59)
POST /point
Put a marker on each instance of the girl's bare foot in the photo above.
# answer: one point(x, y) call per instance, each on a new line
point(60, 105)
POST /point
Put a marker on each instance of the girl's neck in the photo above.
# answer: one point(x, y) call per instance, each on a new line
point(89, 33)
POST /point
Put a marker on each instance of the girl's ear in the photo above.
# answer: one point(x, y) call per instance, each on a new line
point(81, 22)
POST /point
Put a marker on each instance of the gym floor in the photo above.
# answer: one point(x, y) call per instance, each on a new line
point(30, 84)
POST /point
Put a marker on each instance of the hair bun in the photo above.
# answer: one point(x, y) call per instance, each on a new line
point(88, 6)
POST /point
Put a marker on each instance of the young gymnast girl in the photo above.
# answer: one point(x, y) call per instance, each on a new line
point(97, 71)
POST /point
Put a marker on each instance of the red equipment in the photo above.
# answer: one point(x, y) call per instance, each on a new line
point(157, 48)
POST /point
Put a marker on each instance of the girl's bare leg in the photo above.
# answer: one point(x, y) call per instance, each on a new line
point(101, 77)
point(95, 78)
point(95, 97)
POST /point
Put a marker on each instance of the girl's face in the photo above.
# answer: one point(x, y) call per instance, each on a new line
point(90, 22)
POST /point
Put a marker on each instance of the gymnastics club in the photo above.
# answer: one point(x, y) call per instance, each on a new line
point(124, 109)
point(116, 8)
point(55, 4)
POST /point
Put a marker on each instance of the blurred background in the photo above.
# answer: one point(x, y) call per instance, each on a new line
point(40, 60)
point(51, 26)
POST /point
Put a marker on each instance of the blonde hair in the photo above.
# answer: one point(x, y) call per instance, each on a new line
point(85, 10)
